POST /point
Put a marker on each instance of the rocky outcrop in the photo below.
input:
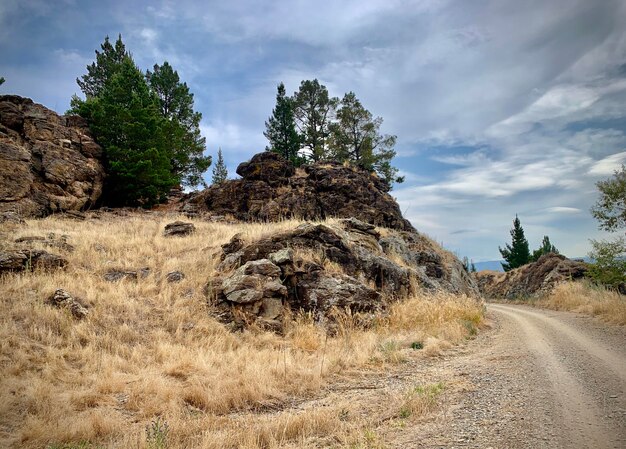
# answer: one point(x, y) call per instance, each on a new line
point(48, 163)
point(64, 300)
point(533, 279)
point(178, 229)
point(29, 259)
point(317, 268)
point(271, 189)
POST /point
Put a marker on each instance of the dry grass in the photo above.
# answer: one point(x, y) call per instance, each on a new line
point(584, 297)
point(150, 349)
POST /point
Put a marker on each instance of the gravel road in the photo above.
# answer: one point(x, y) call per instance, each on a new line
point(538, 379)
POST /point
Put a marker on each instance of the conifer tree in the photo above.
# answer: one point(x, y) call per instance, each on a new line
point(281, 128)
point(105, 66)
point(517, 253)
point(545, 248)
point(220, 173)
point(2, 80)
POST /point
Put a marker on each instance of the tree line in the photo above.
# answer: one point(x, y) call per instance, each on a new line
point(312, 126)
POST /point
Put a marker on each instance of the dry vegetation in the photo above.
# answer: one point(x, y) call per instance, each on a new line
point(150, 368)
point(585, 297)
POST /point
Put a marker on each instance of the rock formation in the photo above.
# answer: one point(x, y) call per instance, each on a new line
point(48, 163)
point(317, 268)
point(533, 279)
point(271, 189)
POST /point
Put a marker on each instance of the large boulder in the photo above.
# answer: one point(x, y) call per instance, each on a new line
point(530, 280)
point(48, 163)
point(317, 268)
point(271, 189)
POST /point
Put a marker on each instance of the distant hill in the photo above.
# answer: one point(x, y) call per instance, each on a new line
point(495, 265)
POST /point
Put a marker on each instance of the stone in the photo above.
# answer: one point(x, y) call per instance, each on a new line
point(116, 275)
point(282, 256)
point(62, 299)
point(179, 229)
point(48, 163)
point(235, 244)
point(175, 276)
point(52, 241)
point(29, 259)
point(271, 189)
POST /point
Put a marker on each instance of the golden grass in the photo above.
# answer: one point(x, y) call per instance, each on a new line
point(584, 297)
point(150, 349)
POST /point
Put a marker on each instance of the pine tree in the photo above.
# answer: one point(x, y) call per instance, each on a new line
point(281, 128)
point(472, 267)
point(106, 65)
point(220, 173)
point(182, 126)
point(356, 138)
point(545, 248)
point(2, 80)
point(314, 111)
point(517, 253)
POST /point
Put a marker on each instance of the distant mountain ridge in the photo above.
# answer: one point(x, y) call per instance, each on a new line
point(496, 265)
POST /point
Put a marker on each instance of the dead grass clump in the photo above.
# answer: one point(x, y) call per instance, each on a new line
point(585, 297)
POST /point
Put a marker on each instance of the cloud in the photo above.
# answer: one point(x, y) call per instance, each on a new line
point(608, 165)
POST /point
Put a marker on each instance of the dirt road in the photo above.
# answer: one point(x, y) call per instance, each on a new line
point(538, 379)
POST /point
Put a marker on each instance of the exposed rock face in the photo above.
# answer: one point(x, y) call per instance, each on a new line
point(116, 275)
point(48, 163)
point(28, 259)
point(179, 229)
point(272, 189)
point(62, 299)
point(530, 280)
point(318, 267)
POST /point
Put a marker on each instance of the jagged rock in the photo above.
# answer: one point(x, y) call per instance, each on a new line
point(23, 259)
point(175, 276)
point(62, 299)
point(272, 190)
point(52, 241)
point(533, 279)
point(273, 275)
point(179, 229)
point(48, 163)
point(117, 275)
point(235, 244)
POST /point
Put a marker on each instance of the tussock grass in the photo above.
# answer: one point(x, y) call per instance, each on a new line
point(585, 297)
point(150, 350)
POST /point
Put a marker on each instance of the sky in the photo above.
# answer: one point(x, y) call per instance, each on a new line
point(500, 107)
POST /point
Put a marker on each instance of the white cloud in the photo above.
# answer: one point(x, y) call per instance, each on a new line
point(608, 165)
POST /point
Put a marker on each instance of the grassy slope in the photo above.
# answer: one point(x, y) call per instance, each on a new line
point(150, 349)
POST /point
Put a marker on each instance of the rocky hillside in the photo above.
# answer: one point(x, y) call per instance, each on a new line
point(533, 279)
point(48, 163)
point(315, 268)
point(271, 189)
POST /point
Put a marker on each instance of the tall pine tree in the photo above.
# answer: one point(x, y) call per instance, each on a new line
point(220, 173)
point(281, 128)
point(107, 63)
point(545, 248)
point(182, 126)
point(517, 253)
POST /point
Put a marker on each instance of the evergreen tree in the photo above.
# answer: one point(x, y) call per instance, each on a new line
point(281, 128)
point(313, 111)
point(545, 248)
point(106, 65)
point(472, 267)
point(356, 138)
point(182, 125)
point(220, 173)
point(517, 253)
point(2, 80)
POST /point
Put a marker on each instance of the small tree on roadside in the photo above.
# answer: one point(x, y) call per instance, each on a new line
point(545, 248)
point(609, 256)
point(220, 173)
point(517, 253)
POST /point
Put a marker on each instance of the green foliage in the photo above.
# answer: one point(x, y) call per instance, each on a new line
point(146, 126)
point(313, 111)
point(182, 125)
point(545, 248)
point(472, 267)
point(610, 209)
point(106, 65)
point(220, 173)
point(466, 264)
point(609, 267)
point(517, 253)
point(2, 80)
point(126, 121)
point(281, 128)
point(417, 345)
point(156, 434)
point(355, 137)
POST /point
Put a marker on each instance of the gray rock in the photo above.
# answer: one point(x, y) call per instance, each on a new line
point(62, 299)
point(116, 275)
point(179, 229)
point(175, 276)
point(28, 259)
point(282, 256)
